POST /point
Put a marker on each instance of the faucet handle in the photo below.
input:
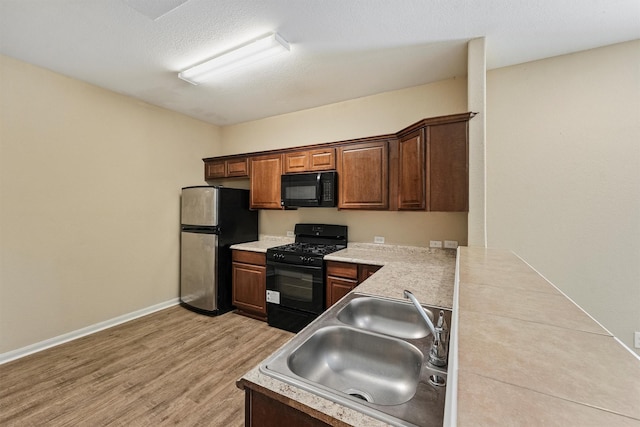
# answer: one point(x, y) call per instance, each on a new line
point(442, 324)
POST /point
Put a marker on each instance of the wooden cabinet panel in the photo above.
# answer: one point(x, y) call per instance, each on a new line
point(412, 171)
point(310, 160)
point(343, 277)
point(228, 168)
point(265, 181)
point(322, 159)
point(263, 411)
point(237, 167)
point(366, 270)
point(296, 162)
point(448, 180)
point(338, 287)
point(342, 269)
point(214, 169)
point(363, 181)
point(249, 275)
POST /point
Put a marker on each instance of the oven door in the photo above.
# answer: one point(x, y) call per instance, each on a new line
point(296, 287)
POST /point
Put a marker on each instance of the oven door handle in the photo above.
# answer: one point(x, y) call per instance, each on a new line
point(291, 266)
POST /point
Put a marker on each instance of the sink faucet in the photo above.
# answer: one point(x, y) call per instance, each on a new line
point(438, 351)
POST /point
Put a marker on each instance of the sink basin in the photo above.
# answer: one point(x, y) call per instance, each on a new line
point(394, 318)
point(370, 367)
point(369, 354)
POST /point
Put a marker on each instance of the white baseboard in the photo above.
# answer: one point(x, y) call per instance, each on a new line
point(61, 339)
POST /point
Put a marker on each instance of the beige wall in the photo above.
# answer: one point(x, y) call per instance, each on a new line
point(373, 115)
point(563, 176)
point(89, 202)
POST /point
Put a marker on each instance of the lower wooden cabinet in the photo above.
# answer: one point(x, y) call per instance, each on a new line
point(249, 282)
point(343, 277)
point(366, 270)
point(261, 410)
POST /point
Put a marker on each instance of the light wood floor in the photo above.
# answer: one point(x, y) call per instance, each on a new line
point(171, 367)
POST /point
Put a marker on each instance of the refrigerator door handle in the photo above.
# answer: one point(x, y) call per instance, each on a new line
point(200, 229)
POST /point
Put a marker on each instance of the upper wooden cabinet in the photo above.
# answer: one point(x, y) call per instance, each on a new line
point(433, 168)
point(448, 166)
point(226, 168)
point(412, 171)
point(265, 181)
point(310, 160)
point(363, 175)
point(422, 167)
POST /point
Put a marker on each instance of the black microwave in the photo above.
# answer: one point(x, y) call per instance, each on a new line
point(304, 190)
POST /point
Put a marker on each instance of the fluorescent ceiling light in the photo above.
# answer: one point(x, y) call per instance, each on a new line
point(247, 53)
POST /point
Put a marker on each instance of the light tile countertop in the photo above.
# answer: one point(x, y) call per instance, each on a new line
point(524, 354)
point(527, 355)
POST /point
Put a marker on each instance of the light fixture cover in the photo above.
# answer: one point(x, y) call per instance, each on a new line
point(242, 55)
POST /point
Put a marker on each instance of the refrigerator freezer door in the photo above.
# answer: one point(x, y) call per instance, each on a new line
point(198, 281)
point(199, 206)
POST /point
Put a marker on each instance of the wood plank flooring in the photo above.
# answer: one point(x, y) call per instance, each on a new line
point(172, 367)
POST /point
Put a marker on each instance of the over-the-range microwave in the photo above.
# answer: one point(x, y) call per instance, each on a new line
point(311, 189)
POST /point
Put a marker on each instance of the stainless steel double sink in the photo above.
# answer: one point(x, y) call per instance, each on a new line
point(370, 354)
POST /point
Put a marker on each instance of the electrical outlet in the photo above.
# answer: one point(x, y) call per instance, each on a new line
point(378, 239)
point(450, 244)
point(435, 244)
point(636, 343)
point(291, 234)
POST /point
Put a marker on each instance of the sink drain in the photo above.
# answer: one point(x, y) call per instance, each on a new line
point(359, 395)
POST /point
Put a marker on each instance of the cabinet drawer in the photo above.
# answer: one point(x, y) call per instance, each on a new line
point(342, 269)
point(249, 257)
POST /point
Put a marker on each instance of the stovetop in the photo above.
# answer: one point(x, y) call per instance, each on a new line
point(313, 242)
point(303, 248)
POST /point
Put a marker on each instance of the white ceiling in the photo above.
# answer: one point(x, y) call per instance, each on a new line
point(340, 49)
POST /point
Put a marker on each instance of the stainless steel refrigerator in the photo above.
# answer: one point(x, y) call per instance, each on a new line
point(212, 219)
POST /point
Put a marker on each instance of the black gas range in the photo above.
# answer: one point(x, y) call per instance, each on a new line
point(295, 275)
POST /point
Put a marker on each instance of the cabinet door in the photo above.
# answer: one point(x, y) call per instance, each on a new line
point(337, 287)
point(296, 162)
point(265, 181)
point(362, 171)
point(237, 167)
point(448, 180)
point(322, 159)
point(229, 168)
point(214, 169)
point(249, 288)
point(263, 411)
point(412, 172)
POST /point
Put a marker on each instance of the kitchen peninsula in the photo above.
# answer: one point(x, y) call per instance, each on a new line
point(521, 352)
